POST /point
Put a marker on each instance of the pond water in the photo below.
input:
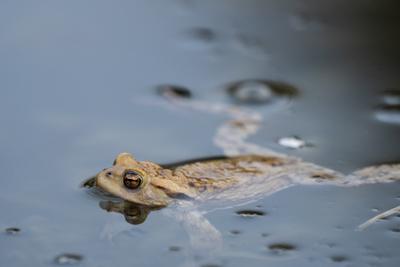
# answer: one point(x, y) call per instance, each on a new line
point(78, 85)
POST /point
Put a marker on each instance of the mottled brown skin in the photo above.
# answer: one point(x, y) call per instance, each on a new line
point(227, 179)
point(160, 186)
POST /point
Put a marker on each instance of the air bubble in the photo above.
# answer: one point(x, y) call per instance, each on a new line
point(388, 114)
point(255, 92)
point(293, 142)
point(68, 259)
point(250, 213)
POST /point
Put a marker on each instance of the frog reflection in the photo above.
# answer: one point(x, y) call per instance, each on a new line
point(133, 213)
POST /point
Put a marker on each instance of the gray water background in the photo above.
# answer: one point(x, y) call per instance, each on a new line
point(77, 85)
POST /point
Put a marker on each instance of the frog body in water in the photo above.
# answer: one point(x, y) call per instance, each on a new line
point(227, 179)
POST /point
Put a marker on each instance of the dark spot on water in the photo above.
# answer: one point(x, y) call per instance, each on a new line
point(281, 248)
point(202, 34)
point(175, 248)
point(250, 213)
point(174, 91)
point(395, 230)
point(68, 259)
point(235, 232)
point(210, 265)
point(264, 234)
point(259, 91)
point(339, 258)
point(12, 230)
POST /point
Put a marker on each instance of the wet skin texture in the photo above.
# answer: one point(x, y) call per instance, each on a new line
point(144, 186)
point(226, 178)
point(147, 183)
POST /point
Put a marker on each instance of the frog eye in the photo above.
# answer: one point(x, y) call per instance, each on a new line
point(132, 179)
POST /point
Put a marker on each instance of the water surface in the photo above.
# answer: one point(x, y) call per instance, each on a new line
point(78, 86)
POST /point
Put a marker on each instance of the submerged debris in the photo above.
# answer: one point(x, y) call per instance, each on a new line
point(380, 216)
point(250, 213)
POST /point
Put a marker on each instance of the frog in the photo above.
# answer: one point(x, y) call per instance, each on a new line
point(245, 172)
point(145, 186)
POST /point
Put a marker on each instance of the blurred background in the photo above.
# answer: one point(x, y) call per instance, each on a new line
point(78, 86)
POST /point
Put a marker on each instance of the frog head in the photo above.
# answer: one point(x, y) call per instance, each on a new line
point(140, 182)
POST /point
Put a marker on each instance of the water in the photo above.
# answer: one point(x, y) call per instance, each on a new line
point(77, 87)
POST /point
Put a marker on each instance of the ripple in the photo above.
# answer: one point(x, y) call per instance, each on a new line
point(388, 114)
point(174, 91)
point(199, 38)
point(68, 259)
point(255, 92)
point(251, 45)
point(12, 230)
point(305, 22)
point(250, 213)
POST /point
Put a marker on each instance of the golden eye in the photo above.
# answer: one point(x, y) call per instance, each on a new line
point(132, 179)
